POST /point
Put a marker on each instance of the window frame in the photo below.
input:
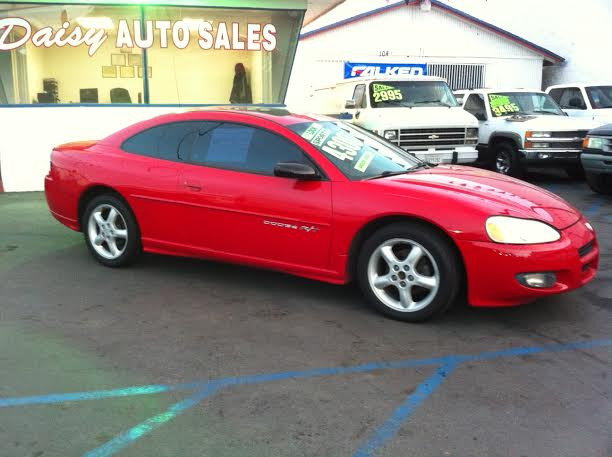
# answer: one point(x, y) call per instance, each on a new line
point(310, 160)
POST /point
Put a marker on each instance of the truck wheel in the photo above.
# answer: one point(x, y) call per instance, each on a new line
point(575, 172)
point(507, 161)
point(599, 183)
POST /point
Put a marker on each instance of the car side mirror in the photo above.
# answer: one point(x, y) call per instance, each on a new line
point(296, 170)
point(350, 104)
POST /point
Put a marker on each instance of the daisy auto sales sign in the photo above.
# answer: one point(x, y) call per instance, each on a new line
point(138, 34)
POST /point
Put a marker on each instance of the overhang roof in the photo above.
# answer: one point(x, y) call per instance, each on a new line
point(548, 55)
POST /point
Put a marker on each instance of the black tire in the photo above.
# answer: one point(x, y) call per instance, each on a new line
point(506, 160)
point(448, 262)
point(599, 183)
point(130, 248)
point(575, 172)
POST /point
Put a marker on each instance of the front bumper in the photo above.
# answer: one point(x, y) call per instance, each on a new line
point(549, 156)
point(597, 163)
point(492, 268)
point(460, 154)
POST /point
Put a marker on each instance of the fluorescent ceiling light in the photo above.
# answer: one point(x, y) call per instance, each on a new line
point(96, 22)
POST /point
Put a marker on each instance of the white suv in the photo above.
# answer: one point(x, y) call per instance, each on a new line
point(589, 101)
point(520, 128)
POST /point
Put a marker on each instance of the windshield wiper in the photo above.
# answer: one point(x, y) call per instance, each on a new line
point(546, 112)
point(388, 173)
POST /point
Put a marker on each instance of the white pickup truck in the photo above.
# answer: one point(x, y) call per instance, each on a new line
point(588, 101)
point(418, 113)
point(521, 128)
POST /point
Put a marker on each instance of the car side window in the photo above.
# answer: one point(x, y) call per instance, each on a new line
point(359, 96)
point(475, 105)
point(244, 148)
point(571, 98)
point(163, 141)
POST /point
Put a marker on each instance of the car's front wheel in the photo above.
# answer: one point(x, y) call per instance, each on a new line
point(110, 230)
point(409, 271)
point(507, 161)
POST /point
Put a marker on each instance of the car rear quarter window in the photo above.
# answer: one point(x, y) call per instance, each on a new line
point(168, 141)
point(244, 148)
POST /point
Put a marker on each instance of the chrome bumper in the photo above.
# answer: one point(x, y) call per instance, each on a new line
point(461, 154)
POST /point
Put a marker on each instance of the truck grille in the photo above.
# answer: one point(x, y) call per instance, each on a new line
point(568, 140)
point(441, 138)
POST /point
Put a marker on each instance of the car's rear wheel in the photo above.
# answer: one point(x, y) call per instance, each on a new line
point(507, 161)
point(409, 272)
point(600, 183)
point(111, 232)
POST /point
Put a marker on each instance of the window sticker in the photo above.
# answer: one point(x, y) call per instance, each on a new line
point(501, 105)
point(364, 161)
point(312, 131)
point(385, 93)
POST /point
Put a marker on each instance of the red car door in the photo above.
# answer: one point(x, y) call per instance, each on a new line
point(235, 205)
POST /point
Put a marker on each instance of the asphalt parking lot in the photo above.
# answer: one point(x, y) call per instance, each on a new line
point(183, 357)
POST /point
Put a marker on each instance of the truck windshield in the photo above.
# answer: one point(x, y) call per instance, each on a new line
point(511, 103)
point(358, 154)
point(600, 96)
point(391, 94)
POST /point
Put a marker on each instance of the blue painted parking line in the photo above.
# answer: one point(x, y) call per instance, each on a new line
point(206, 388)
point(594, 209)
point(388, 430)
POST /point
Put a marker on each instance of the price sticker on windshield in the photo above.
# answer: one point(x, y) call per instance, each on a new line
point(385, 93)
point(364, 161)
point(501, 105)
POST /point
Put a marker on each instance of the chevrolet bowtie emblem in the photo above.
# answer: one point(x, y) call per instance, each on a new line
point(433, 137)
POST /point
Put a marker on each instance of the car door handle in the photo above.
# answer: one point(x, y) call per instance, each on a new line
point(193, 186)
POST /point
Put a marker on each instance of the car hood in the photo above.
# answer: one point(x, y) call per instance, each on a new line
point(553, 123)
point(418, 117)
point(511, 196)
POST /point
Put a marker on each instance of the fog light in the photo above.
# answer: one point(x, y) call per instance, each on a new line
point(537, 280)
point(544, 155)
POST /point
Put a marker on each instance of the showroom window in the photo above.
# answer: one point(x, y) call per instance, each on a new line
point(102, 54)
point(243, 148)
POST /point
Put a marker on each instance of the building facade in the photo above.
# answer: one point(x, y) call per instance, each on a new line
point(443, 40)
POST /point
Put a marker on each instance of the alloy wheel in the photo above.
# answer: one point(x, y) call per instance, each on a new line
point(107, 231)
point(503, 162)
point(403, 275)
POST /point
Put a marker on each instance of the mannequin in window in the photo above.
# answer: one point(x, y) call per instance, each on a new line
point(241, 91)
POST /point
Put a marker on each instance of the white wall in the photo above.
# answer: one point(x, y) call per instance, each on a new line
point(29, 135)
point(408, 34)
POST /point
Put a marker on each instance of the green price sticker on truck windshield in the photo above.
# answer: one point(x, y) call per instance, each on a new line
point(385, 93)
point(501, 105)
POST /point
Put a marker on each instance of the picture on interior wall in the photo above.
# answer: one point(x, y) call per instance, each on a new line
point(126, 72)
point(149, 72)
point(118, 59)
point(109, 72)
point(134, 59)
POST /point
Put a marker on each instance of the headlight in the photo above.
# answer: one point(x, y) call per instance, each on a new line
point(594, 143)
point(531, 134)
point(471, 133)
point(512, 230)
point(390, 135)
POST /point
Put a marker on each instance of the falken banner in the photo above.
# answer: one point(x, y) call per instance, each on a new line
point(359, 69)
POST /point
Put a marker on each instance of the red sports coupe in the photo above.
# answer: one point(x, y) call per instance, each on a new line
point(319, 198)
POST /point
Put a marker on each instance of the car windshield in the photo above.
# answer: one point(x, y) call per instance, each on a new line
point(358, 154)
point(391, 94)
point(600, 96)
point(510, 103)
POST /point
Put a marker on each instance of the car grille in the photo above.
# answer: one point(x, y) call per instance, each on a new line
point(568, 140)
point(584, 250)
point(441, 138)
